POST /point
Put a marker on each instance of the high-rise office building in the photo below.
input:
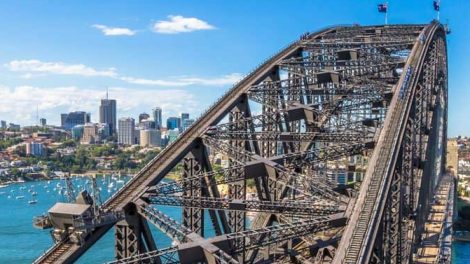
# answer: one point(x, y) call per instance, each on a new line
point(74, 118)
point(184, 117)
point(108, 113)
point(187, 123)
point(173, 122)
point(150, 138)
point(157, 117)
point(43, 122)
point(3, 124)
point(147, 124)
point(143, 116)
point(126, 131)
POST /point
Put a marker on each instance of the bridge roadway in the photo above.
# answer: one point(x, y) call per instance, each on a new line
point(358, 237)
point(67, 252)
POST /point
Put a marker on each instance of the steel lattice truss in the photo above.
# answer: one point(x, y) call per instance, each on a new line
point(347, 104)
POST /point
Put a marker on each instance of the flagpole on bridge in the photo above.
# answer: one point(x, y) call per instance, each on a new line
point(383, 8)
point(437, 8)
point(386, 13)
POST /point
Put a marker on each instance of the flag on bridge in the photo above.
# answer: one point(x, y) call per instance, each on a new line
point(437, 5)
point(382, 8)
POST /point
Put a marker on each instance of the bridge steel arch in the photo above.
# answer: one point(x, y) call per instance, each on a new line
point(341, 137)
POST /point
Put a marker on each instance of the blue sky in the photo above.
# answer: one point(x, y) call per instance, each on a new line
point(180, 55)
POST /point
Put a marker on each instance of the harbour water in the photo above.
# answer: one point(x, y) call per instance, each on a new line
point(21, 243)
point(460, 252)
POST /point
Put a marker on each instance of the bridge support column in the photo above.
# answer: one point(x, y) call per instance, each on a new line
point(132, 235)
point(195, 162)
point(193, 218)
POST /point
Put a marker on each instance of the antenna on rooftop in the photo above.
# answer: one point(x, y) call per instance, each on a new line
point(107, 88)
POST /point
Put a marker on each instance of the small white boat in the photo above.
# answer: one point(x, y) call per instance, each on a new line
point(33, 201)
point(19, 197)
point(23, 188)
point(120, 181)
point(34, 193)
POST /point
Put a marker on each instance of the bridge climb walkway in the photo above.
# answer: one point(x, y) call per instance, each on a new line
point(355, 247)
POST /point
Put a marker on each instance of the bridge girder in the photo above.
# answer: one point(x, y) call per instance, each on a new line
point(345, 101)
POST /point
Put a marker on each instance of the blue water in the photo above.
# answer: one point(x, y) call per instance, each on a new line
point(460, 252)
point(20, 242)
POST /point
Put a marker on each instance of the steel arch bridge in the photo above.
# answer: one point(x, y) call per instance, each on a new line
point(343, 136)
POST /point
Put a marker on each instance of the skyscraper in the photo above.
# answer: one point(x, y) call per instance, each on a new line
point(108, 113)
point(126, 131)
point(143, 116)
point(184, 117)
point(187, 123)
point(173, 122)
point(74, 118)
point(43, 122)
point(157, 117)
point(150, 137)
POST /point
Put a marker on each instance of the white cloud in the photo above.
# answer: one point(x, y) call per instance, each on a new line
point(186, 81)
point(19, 103)
point(228, 79)
point(115, 31)
point(36, 66)
point(180, 24)
point(142, 81)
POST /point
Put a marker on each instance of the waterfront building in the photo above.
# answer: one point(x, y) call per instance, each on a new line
point(35, 149)
point(43, 122)
point(157, 117)
point(150, 138)
point(173, 123)
point(74, 118)
point(108, 113)
point(126, 131)
point(3, 124)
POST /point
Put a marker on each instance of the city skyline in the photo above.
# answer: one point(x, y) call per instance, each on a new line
point(161, 69)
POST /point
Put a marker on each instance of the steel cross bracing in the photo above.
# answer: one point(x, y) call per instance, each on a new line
point(365, 104)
